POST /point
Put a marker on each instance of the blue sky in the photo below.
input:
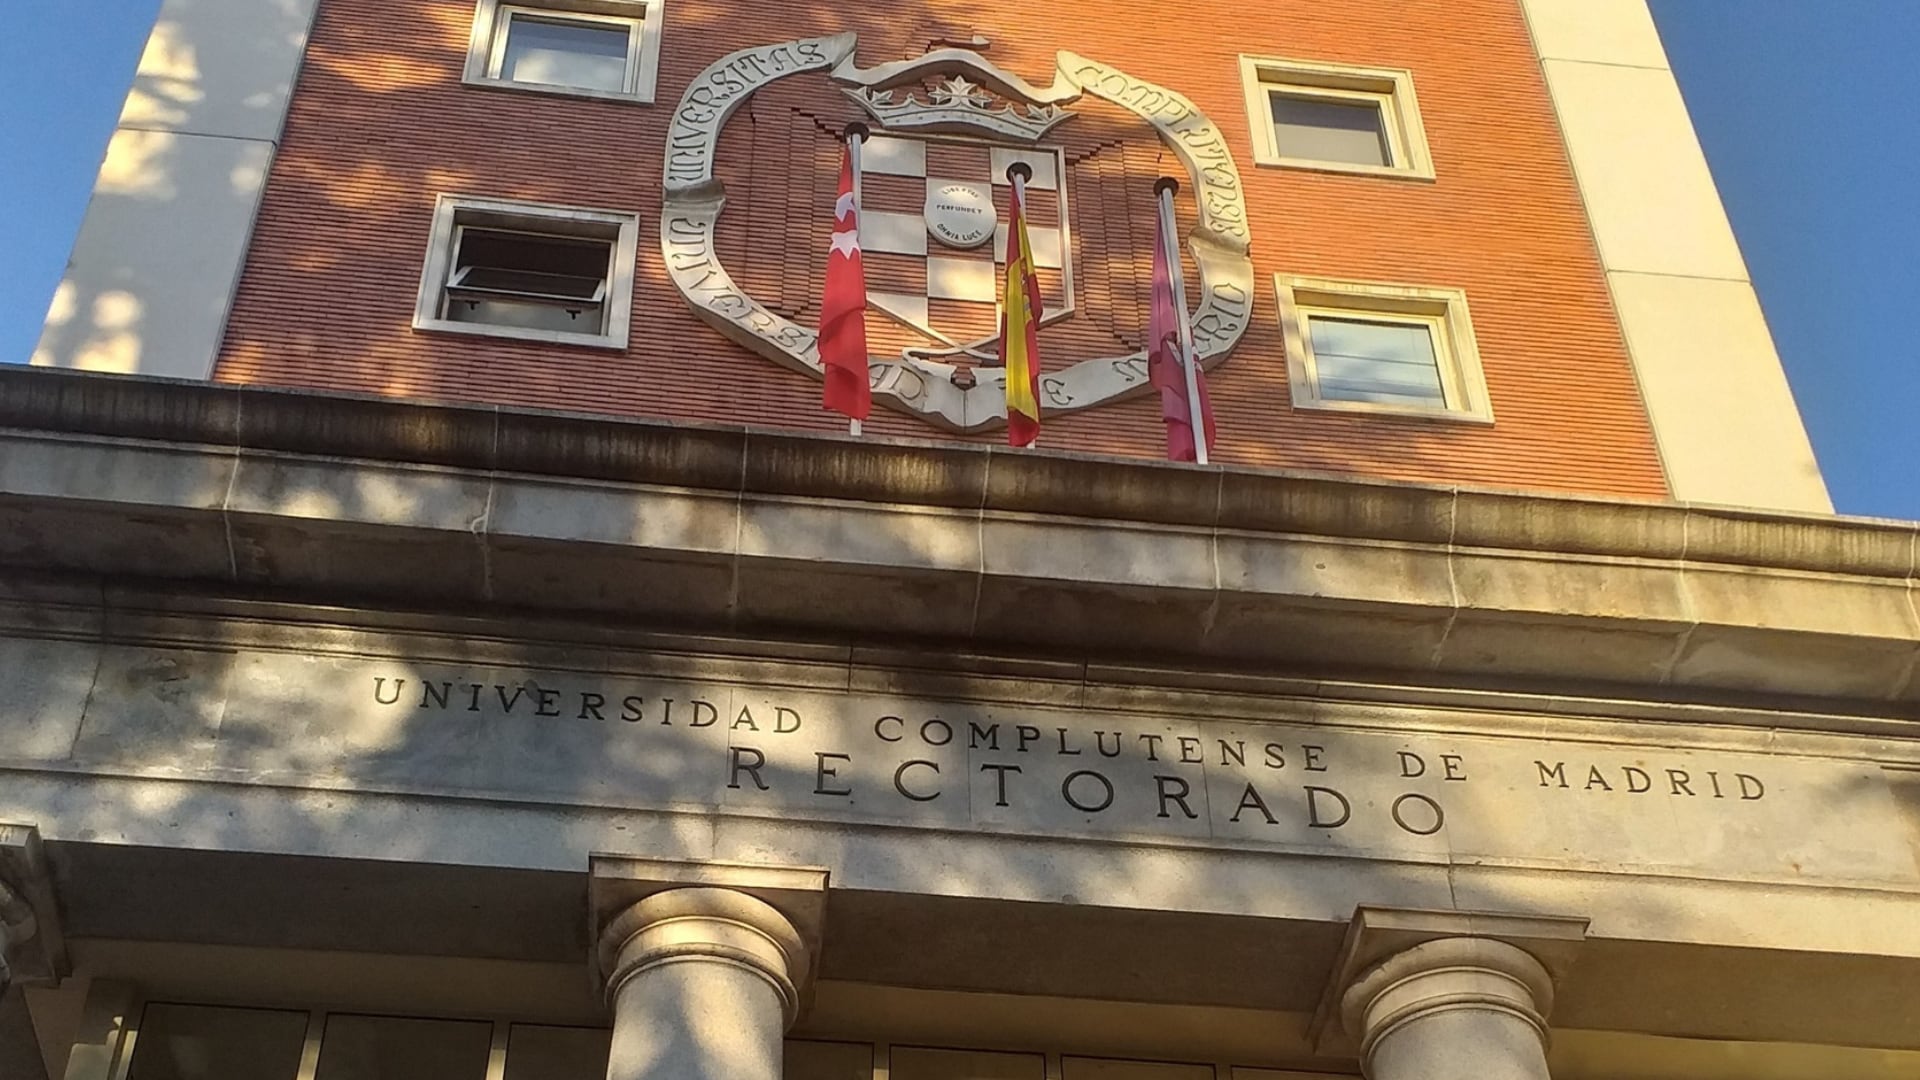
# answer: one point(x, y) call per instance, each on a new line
point(1804, 108)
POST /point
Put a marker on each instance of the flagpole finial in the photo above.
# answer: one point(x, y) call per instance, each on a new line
point(858, 130)
point(1166, 184)
point(1020, 170)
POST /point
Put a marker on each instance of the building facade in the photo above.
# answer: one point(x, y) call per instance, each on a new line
point(444, 635)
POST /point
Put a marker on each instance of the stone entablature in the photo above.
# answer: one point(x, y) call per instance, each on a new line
point(673, 733)
point(250, 738)
point(166, 543)
point(730, 529)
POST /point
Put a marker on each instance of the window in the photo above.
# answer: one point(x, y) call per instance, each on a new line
point(198, 1042)
point(1343, 131)
point(557, 1053)
point(544, 273)
point(203, 1042)
point(591, 48)
point(379, 1047)
point(1381, 348)
point(1336, 118)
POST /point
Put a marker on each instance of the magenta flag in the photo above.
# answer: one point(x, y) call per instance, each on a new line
point(843, 308)
point(1166, 367)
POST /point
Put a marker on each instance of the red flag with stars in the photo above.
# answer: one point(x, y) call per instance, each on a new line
point(843, 308)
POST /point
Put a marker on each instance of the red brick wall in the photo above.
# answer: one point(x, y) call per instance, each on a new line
point(381, 123)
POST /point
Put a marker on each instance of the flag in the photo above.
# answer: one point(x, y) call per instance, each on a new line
point(843, 308)
point(1020, 332)
point(1166, 362)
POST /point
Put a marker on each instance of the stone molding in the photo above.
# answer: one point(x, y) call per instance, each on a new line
point(1447, 973)
point(537, 511)
point(1399, 964)
point(766, 919)
point(707, 925)
point(748, 460)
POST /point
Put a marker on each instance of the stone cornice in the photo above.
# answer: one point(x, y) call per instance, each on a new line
point(739, 530)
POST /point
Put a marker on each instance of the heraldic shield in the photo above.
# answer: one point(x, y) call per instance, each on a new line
point(935, 201)
point(936, 267)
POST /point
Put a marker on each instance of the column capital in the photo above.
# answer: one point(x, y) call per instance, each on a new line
point(766, 919)
point(32, 949)
point(1446, 973)
point(1399, 963)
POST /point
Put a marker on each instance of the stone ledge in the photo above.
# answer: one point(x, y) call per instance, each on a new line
point(834, 540)
point(738, 459)
point(378, 534)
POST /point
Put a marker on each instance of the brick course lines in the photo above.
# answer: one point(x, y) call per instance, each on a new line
point(380, 124)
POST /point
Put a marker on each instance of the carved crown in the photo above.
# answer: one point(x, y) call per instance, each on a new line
point(957, 105)
point(935, 93)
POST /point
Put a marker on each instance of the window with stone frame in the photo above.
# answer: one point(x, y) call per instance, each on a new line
point(1335, 118)
point(588, 48)
point(1368, 347)
point(558, 274)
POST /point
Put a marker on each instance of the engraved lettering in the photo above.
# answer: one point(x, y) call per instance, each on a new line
point(1104, 800)
point(1418, 814)
point(1000, 780)
point(1251, 801)
point(1174, 790)
point(750, 761)
point(1316, 810)
point(900, 780)
point(822, 773)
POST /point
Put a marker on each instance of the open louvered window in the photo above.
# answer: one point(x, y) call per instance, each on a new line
point(558, 274)
point(528, 279)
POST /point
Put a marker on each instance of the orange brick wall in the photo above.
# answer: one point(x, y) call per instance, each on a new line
point(380, 124)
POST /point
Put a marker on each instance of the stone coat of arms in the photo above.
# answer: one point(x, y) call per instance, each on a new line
point(933, 222)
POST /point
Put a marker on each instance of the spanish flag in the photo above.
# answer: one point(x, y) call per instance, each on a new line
point(1020, 327)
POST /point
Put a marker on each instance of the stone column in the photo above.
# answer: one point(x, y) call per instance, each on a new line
point(703, 982)
point(1453, 1008)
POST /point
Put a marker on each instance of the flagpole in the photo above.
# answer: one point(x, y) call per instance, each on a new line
point(1017, 174)
point(856, 135)
point(1196, 419)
